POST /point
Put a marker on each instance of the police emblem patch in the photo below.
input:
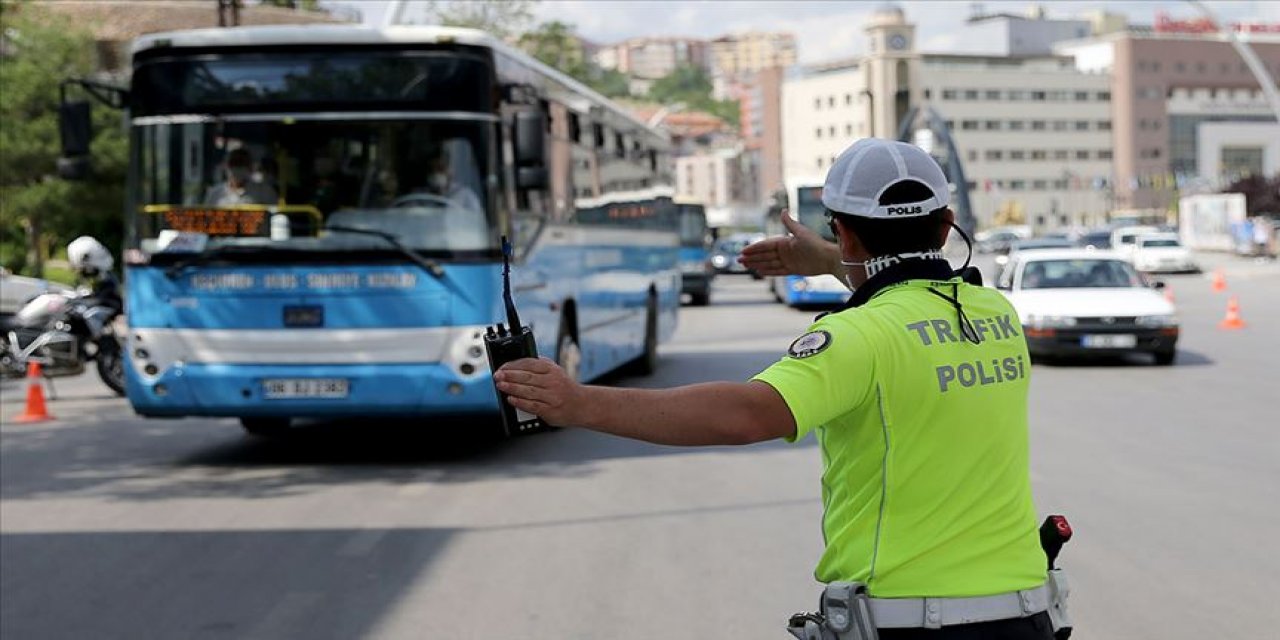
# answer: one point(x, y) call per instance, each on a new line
point(810, 344)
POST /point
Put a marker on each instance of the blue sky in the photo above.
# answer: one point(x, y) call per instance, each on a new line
point(825, 29)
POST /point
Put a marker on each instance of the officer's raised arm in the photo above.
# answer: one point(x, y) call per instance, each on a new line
point(803, 253)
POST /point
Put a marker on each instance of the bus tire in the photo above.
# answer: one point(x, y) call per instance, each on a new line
point(264, 427)
point(647, 363)
point(700, 299)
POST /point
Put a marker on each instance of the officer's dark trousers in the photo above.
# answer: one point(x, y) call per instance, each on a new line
point(1036, 627)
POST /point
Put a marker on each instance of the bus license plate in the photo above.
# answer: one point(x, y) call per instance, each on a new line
point(290, 388)
point(1110, 341)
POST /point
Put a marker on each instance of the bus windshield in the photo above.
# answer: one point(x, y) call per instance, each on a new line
point(693, 225)
point(810, 211)
point(280, 181)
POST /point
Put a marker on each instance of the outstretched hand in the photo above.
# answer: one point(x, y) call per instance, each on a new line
point(541, 387)
point(803, 253)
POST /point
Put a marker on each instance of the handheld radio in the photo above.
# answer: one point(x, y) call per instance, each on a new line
point(507, 343)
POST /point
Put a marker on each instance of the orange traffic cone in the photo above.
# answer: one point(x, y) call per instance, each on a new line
point(36, 410)
point(1232, 321)
point(1219, 280)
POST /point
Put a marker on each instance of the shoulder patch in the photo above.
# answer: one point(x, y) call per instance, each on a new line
point(810, 344)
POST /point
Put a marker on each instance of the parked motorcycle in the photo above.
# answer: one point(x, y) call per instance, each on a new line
point(65, 330)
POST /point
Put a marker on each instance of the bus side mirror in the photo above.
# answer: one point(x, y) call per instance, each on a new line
point(530, 140)
point(76, 130)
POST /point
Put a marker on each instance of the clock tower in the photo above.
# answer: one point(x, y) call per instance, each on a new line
point(892, 69)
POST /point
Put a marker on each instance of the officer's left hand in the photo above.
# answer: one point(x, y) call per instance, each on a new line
point(542, 388)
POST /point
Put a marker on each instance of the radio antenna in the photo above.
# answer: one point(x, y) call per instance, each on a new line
point(513, 318)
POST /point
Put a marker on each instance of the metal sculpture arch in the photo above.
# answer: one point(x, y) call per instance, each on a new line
point(953, 166)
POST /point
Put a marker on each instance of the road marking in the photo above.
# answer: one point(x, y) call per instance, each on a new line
point(362, 543)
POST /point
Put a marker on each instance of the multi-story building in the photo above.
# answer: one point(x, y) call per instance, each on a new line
point(1168, 82)
point(647, 59)
point(1033, 132)
point(744, 53)
point(724, 180)
point(760, 123)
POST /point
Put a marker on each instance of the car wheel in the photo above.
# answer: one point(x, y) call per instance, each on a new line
point(700, 299)
point(1165, 358)
point(264, 427)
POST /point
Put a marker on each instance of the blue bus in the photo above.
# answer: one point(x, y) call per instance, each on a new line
point(804, 201)
point(314, 219)
point(696, 272)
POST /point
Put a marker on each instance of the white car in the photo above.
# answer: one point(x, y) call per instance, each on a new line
point(1084, 301)
point(16, 291)
point(1123, 239)
point(1155, 252)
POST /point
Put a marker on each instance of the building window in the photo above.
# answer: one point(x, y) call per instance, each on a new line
point(1104, 125)
point(992, 94)
point(819, 163)
point(1149, 154)
point(1104, 96)
point(831, 101)
point(1180, 67)
point(1017, 95)
point(1038, 154)
point(1017, 185)
point(1104, 154)
point(1017, 154)
point(991, 125)
point(1037, 125)
point(1082, 154)
point(831, 131)
point(1201, 67)
point(848, 129)
point(1060, 184)
point(1059, 125)
point(993, 154)
point(1039, 185)
point(817, 104)
point(969, 125)
point(1082, 96)
point(1061, 154)
point(1016, 125)
point(948, 94)
point(848, 99)
point(927, 93)
point(973, 155)
point(1082, 125)
point(817, 133)
point(1038, 96)
point(970, 94)
point(1224, 68)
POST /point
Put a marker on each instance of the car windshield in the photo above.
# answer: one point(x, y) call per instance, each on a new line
point(1160, 242)
point(693, 225)
point(1097, 240)
point(1045, 243)
point(811, 212)
point(278, 182)
point(1077, 274)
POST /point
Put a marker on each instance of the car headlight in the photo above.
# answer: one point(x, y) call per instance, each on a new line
point(1162, 320)
point(1039, 321)
point(799, 285)
point(719, 261)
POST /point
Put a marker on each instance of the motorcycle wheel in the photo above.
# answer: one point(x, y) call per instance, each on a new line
point(111, 369)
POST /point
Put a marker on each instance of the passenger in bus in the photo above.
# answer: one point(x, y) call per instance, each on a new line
point(239, 188)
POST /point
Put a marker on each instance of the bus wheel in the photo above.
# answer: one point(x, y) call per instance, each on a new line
point(264, 427)
point(647, 363)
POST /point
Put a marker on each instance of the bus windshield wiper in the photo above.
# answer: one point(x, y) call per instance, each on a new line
point(205, 255)
point(430, 266)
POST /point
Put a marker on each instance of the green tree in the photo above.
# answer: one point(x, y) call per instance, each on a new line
point(557, 44)
point(1261, 194)
point(39, 211)
point(503, 18)
point(691, 85)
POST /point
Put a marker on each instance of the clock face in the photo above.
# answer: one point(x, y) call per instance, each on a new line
point(897, 41)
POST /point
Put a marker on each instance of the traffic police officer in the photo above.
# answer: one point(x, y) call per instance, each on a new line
point(916, 391)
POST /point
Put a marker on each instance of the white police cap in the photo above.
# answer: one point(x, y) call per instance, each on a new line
point(869, 167)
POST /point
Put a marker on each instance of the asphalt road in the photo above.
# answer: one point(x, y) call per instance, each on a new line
point(117, 527)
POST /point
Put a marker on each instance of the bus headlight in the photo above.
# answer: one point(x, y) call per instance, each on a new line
point(799, 285)
point(465, 353)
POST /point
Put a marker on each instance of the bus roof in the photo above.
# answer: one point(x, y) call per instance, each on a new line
point(341, 34)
